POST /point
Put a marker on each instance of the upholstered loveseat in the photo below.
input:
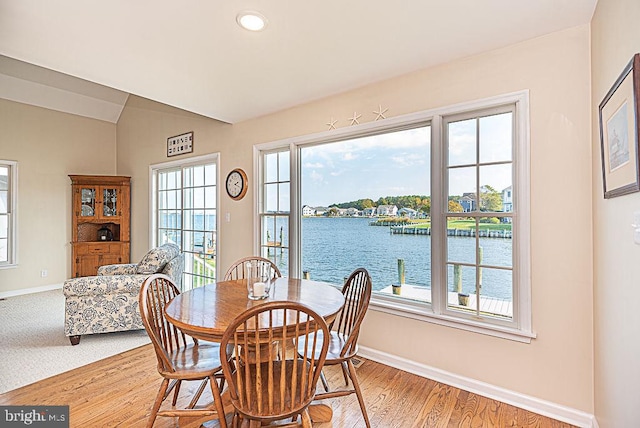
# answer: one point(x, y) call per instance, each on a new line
point(108, 302)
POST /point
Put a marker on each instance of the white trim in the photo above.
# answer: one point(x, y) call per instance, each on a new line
point(514, 398)
point(523, 217)
point(23, 291)
point(12, 251)
point(407, 310)
point(257, 199)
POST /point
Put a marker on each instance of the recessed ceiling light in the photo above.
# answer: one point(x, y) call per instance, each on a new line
point(252, 21)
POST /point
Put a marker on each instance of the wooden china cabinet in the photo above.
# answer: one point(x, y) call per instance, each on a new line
point(100, 222)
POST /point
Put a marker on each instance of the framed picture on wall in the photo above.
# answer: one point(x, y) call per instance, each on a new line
point(180, 144)
point(619, 118)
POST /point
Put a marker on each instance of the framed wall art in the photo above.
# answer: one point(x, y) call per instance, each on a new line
point(180, 144)
point(618, 114)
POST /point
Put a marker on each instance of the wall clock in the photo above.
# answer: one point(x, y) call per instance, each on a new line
point(236, 184)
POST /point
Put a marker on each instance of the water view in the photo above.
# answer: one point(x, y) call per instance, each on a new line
point(333, 246)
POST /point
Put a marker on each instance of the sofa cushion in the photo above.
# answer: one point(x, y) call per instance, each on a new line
point(119, 269)
point(156, 259)
point(103, 285)
point(174, 269)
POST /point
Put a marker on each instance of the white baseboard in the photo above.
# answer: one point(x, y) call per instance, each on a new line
point(5, 294)
point(536, 405)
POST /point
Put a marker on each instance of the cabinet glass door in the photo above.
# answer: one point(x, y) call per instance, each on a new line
point(88, 202)
point(110, 202)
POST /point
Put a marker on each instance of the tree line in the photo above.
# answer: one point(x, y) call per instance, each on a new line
point(490, 200)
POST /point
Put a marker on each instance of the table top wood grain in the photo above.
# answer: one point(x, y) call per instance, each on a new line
point(205, 312)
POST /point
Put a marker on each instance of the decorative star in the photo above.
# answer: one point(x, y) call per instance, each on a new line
point(354, 119)
point(380, 113)
point(332, 123)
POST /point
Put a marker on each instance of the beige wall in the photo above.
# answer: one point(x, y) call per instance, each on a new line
point(615, 37)
point(48, 146)
point(558, 365)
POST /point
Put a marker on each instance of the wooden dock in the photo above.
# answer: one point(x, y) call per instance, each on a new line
point(416, 230)
point(488, 305)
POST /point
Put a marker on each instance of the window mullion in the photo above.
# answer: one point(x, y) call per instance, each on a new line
point(438, 218)
point(295, 217)
point(477, 217)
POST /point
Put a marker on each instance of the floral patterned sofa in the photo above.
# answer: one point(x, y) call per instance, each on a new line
point(108, 302)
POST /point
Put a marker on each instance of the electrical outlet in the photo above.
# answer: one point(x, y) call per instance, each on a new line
point(44, 273)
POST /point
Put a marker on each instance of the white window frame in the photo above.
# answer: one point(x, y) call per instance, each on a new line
point(12, 222)
point(520, 328)
point(153, 192)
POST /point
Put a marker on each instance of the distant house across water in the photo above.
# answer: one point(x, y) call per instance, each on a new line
point(468, 202)
point(308, 211)
point(387, 210)
point(369, 212)
point(507, 200)
point(407, 212)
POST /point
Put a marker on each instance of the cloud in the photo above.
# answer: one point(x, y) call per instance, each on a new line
point(316, 176)
point(409, 159)
point(407, 139)
point(313, 165)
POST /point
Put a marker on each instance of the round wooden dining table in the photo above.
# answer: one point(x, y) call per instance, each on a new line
point(206, 312)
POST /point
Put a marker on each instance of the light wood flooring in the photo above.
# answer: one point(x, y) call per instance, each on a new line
point(119, 392)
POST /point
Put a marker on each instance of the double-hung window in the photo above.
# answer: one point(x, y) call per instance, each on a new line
point(8, 204)
point(434, 205)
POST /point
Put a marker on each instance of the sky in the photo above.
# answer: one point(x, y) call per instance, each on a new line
point(369, 167)
point(398, 163)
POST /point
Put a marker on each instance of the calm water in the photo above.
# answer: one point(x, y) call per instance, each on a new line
point(333, 247)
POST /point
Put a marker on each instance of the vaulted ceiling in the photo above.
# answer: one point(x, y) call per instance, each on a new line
point(85, 57)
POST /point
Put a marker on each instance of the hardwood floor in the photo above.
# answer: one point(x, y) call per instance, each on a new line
point(119, 392)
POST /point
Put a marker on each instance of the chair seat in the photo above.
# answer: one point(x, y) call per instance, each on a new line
point(336, 345)
point(194, 361)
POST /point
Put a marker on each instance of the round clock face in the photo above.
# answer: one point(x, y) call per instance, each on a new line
point(236, 184)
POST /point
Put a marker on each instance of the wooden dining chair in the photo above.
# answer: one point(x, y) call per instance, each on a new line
point(343, 344)
point(265, 387)
point(180, 358)
point(261, 267)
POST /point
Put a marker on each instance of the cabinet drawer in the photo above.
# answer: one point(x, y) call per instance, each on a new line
point(97, 248)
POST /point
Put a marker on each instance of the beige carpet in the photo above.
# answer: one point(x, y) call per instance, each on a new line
point(33, 345)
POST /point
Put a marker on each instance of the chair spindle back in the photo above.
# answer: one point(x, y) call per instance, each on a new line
point(156, 292)
point(271, 381)
point(357, 294)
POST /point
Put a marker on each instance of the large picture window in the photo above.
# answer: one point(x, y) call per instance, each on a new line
point(185, 213)
point(434, 205)
point(8, 198)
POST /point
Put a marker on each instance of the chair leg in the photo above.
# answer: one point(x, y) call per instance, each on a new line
point(158, 402)
point(345, 373)
point(217, 399)
point(323, 378)
point(305, 419)
point(221, 385)
point(176, 392)
point(172, 385)
point(356, 387)
point(198, 393)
